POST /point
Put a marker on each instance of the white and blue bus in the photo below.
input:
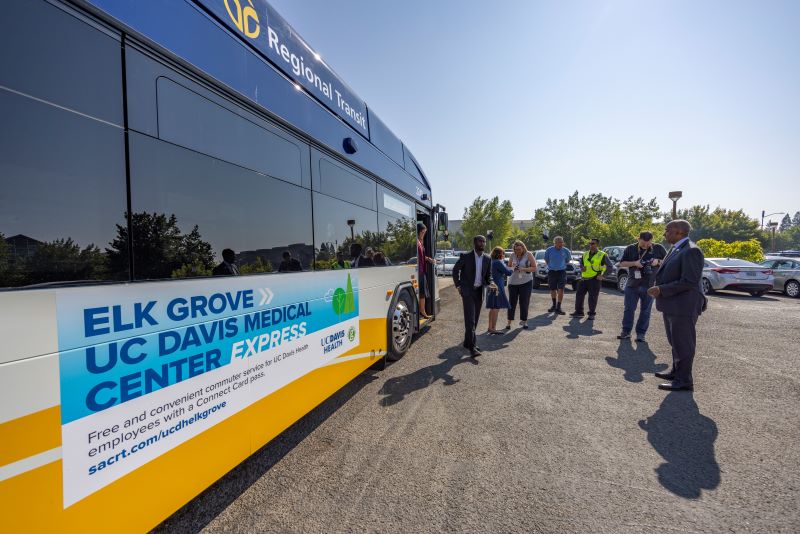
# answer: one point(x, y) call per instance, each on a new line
point(190, 198)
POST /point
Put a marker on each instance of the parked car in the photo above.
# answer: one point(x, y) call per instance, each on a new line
point(786, 272)
point(617, 275)
point(445, 266)
point(736, 275)
point(540, 276)
point(788, 253)
point(411, 261)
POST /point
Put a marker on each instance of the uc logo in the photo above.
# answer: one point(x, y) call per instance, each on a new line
point(243, 18)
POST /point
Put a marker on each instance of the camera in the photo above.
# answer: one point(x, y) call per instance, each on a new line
point(647, 267)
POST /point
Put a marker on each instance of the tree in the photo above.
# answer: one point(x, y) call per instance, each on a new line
point(63, 260)
point(159, 248)
point(5, 263)
point(722, 224)
point(488, 214)
point(786, 223)
point(796, 219)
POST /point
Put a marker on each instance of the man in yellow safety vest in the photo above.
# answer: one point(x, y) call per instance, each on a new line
point(593, 266)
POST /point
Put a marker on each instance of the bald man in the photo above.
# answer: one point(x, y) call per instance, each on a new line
point(680, 298)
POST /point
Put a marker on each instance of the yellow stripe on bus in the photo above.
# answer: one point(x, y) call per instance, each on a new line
point(33, 501)
point(29, 435)
point(372, 338)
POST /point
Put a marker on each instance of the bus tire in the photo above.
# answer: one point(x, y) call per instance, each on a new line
point(401, 326)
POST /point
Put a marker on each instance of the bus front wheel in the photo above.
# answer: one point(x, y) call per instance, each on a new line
point(401, 329)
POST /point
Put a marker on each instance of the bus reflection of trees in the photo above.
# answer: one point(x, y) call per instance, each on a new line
point(160, 251)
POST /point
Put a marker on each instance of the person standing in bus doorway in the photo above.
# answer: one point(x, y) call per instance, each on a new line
point(642, 260)
point(422, 266)
point(470, 276)
point(520, 285)
point(557, 257)
point(594, 264)
point(228, 266)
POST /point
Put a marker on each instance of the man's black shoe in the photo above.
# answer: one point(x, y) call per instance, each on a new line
point(474, 353)
point(624, 335)
point(671, 386)
point(559, 311)
point(591, 315)
point(577, 314)
point(551, 309)
point(641, 339)
point(665, 376)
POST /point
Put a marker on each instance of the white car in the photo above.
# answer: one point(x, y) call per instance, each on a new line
point(736, 275)
point(445, 265)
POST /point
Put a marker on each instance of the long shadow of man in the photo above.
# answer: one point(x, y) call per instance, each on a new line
point(685, 439)
point(397, 388)
point(635, 361)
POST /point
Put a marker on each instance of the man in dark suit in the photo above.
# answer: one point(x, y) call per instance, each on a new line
point(680, 298)
point(471, 275)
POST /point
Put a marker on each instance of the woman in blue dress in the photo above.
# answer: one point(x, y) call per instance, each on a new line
point(497, 299)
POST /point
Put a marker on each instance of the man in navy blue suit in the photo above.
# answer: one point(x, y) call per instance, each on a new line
point(680, 298)
point(471, 276)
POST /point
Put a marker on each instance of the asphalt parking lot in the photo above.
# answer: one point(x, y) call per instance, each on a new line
point(559, 428)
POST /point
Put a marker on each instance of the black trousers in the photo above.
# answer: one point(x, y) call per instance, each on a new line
point(591, 286)
point(472, 299)
point(521, 293)
point(682, 338)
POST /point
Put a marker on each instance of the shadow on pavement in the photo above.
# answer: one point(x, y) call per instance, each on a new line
point(575, 328)
point(741, 296)
point(200, 511)
point(397, 388)
point(685, 439)
point(635, 360)
point(543, 319)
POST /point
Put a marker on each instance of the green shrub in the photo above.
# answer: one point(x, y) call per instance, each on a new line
point(749, 250)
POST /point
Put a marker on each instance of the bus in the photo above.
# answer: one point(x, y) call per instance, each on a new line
point(190, 200)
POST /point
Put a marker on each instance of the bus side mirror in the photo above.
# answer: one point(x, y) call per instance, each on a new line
point(442, 221)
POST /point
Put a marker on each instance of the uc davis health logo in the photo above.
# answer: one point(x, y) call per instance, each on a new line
point(351, 334)
point(246, 19)
point(343, 300)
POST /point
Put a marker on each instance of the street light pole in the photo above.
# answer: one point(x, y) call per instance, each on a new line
point(351, 223)
point(674, 196)
point(763, 215)
point(773, 226)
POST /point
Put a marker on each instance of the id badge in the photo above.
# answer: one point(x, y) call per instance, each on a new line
point(637, 274)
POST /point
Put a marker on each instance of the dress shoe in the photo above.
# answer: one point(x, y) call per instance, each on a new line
point(474, 353)
point(665, 376)
point(559, 311)
point(591, 316)
point(551, 309)
point(671, 386)
point(576, 314)
point(624, 335)
point(641, 339)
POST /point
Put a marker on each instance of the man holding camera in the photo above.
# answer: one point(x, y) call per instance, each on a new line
point(642, 260)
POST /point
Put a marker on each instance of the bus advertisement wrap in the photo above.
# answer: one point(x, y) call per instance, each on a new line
point(161, 363)
point(257, 23)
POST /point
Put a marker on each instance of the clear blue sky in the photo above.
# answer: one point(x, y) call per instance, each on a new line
point(529, 100)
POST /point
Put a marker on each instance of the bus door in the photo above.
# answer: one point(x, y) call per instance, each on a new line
point(424, 217)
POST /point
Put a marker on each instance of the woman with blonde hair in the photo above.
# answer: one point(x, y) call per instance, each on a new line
point(496, 299)
point(520, 285)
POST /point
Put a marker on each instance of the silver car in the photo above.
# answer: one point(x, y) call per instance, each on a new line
point(736, 275)
point(786, 272)
point(445, 266)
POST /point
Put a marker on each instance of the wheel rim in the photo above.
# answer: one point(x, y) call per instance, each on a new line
point(623, 281)
point(401, 324)
point(706, 286)
point(793, 289)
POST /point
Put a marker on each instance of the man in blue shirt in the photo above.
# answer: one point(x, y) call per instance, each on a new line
point(557, 257)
